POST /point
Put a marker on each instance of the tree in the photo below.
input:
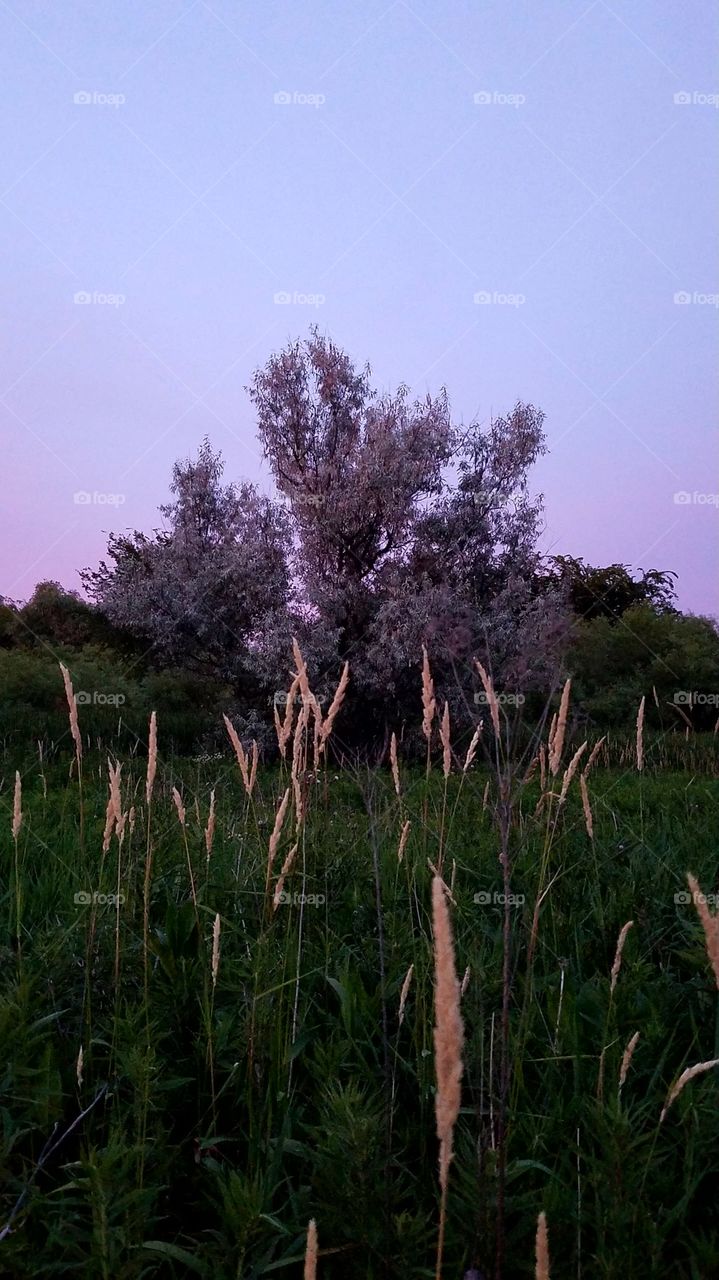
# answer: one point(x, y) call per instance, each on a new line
point(609, 592)
point(392, 548)
point(646, 653)
point(203, 591)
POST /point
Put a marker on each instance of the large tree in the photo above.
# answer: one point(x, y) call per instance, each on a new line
point(206, 589)
point(407, 529)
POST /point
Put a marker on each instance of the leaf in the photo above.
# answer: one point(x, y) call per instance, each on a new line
point(174, 1251)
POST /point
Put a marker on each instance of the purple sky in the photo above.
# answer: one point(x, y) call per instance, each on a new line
point(576, 193)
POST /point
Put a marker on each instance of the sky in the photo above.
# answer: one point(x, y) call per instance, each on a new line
point(512, 199)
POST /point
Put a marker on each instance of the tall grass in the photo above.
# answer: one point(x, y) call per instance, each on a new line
point(197, 1064)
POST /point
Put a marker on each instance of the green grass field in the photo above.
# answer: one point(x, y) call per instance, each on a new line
point(221, 1116)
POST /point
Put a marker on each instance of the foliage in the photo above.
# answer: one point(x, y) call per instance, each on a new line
point(235, 1112)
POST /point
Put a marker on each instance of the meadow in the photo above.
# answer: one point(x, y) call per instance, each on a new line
point(218, 1001)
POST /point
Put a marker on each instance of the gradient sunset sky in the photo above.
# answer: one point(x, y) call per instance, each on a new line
point(516, 200)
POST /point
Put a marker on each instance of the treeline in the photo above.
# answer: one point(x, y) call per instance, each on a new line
point(393, 528)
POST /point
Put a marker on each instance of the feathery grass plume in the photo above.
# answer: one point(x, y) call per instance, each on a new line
point(131, 818)
point(710, 925)
point(393, 762)
point(627, 1060)
point(542, 768)
point(640, 735)
point(72, 711)
point(447, 888)
point(555, 752)
point(179, 805)
point(541, 1249)
point(120, 827)
point(485, 797)
point(444, 737)
point(17, 807)
point(490, 695)
point(586, 806)
point(278, 725)
point(404, 836)
point(109, 825)
point(151, 758)
point(465, 981)
point(404, 993)
point(286, 731)
point(215, 949)
point(210, 828)
point(239, 752)
point(115, 794)
point(448, 1029)
point(286, 868)
point(429, 705)
point(78, 1067)
point(336, 703)
point(552, 731)
point(593, 754)
point(301, 668)
point(297, 749)
point(253, 769)
point(317, 736)
point(448, 1042)
point(570, 772)
point(277, 830)
point(684, 1078)
point(310, 1272)
point(656, 700)
point(472, 748)
point(618, 954)
point(530, 771)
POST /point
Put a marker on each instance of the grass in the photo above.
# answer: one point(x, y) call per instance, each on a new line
point(221, 1116)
